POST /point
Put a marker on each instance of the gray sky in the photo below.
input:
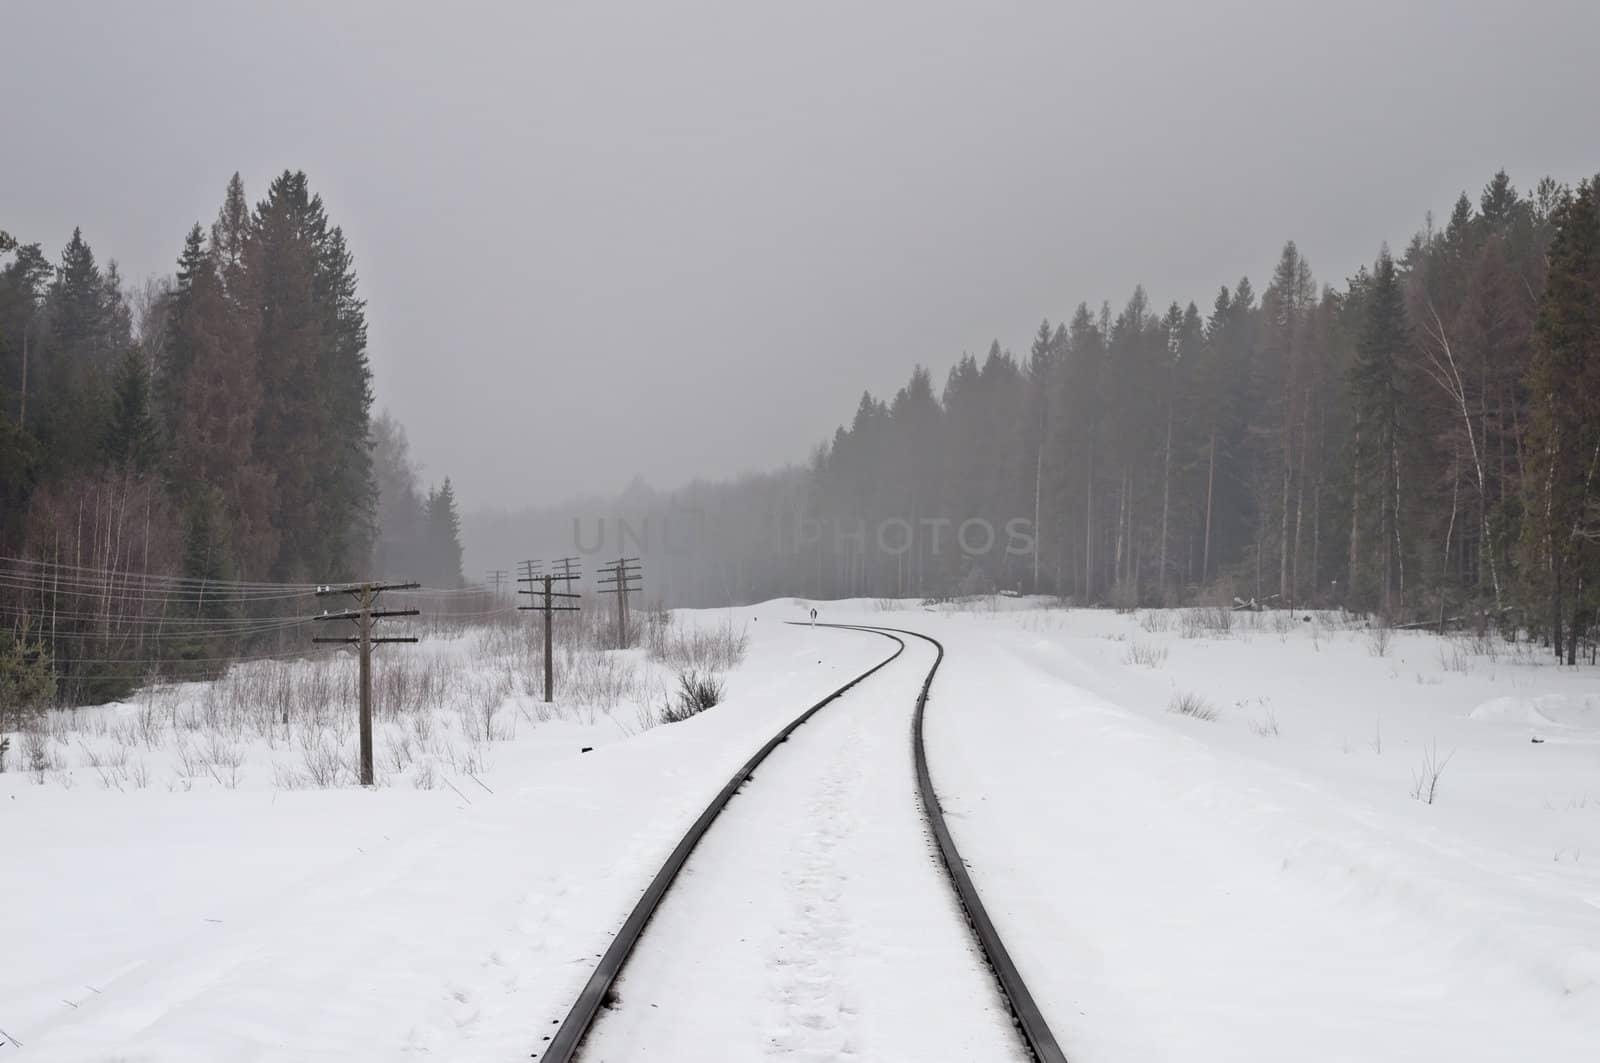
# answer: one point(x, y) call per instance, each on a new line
point(679, 239)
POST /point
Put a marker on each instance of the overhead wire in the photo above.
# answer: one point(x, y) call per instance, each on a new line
point(58, 566)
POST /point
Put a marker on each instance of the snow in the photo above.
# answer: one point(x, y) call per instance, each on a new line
point(303, 924)
point(1178, 888)
point(1256, 886)
point(812, 922)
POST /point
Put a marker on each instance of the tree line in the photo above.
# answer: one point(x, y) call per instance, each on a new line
point(1421, 441)
point(171, 452)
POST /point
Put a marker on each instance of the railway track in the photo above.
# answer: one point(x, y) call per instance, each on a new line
point(565, 1045)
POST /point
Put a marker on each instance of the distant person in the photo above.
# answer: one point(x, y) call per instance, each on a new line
point(813, 616)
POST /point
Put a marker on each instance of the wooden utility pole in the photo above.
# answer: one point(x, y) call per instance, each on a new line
point(366, 596)
point(497, 579)
point(620, 577)
point(543, 586)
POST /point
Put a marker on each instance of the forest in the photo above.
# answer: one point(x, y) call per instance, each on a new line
point(180, 460)
point(1419, 442)
point(184, 460)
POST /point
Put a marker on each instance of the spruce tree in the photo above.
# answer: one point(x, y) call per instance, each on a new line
point(180, 340)
point(76, 306)
point(23, 285)
point(444, 538)
point(313, 431)
point(1375, 382)
point(208, 562)
point(89, 328)
point(27, 679)
point(1561, 525)
point(1499, 201)
point(132, 439)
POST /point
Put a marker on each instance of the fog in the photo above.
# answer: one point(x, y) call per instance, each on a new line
point(678, 240)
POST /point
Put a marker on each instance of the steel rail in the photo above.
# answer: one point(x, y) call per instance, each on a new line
point(1030, 1020)
point(563, 1047)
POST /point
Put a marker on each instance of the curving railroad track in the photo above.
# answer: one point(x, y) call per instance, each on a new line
point(1040, 1043)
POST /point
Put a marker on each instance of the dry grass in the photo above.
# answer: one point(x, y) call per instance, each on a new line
point(716, 649)
point(1193, 706)
point(1148, 654)
point(439, 707)
point(1216, 622)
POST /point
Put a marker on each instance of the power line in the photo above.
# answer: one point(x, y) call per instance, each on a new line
point(137, 637)
point(297, 656)
point(57, 566)
point(129, 620)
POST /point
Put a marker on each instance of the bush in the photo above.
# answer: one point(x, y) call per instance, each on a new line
point(1425, 779)
point(697, 692)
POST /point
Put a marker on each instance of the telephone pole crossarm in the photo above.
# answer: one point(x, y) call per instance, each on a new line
point(359, 588)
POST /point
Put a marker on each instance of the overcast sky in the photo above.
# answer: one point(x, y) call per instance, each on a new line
point(678, 239)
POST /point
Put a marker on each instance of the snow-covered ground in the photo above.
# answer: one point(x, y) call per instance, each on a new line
point(812, 923)
point(1257, 885)
point(1265, 883)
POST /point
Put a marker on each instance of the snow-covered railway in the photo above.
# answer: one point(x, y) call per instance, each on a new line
point(815, 921)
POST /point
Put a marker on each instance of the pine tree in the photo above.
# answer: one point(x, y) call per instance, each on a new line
point(230, 233)
point(1284, 377)
point(1376, 387)
point(1042, 361)
point(216, 401)
point(1561, 527)
point(23, 285)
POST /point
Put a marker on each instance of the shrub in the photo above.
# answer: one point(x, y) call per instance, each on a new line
point(697, 692)
point(1425, 779)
